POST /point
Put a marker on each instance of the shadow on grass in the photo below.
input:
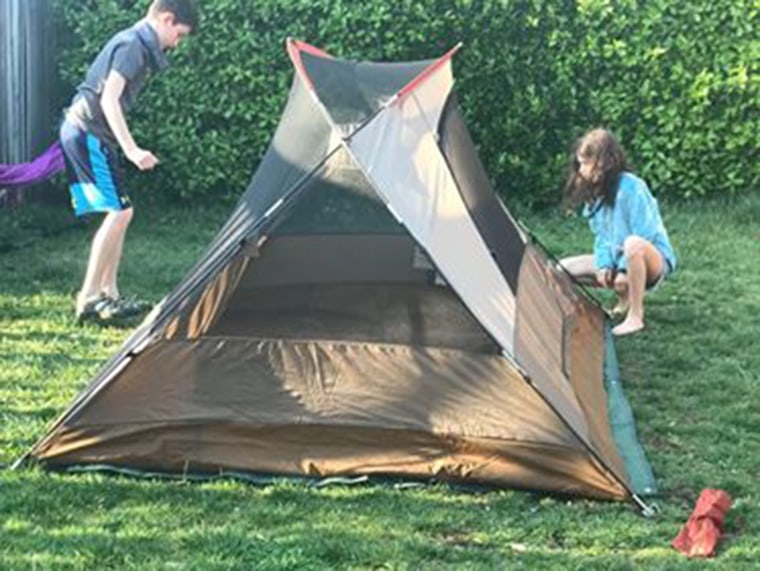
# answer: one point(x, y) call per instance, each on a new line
point(230, 525)
point(43, 414)
point(289, 525)
point(49, 361)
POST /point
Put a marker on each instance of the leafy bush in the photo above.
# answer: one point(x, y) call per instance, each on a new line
point(677, 81)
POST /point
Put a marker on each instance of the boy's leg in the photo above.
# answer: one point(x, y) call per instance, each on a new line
point(95, 185)
point(108, 285)
point(645, 265)
point(105, 255)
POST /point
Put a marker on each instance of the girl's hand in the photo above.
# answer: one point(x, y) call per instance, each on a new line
point(604, 277)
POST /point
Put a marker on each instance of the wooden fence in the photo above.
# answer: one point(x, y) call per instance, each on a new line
point(27, 80)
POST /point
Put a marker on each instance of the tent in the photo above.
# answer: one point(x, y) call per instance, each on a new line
point(370, 308)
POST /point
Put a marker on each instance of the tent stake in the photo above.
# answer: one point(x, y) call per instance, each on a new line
point(647, 510)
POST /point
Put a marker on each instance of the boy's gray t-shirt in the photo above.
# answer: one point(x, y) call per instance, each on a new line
point(134, 53)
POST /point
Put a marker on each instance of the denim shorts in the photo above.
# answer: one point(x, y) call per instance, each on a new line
point(666, 271)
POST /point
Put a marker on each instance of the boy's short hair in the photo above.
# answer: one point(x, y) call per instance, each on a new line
point(185, 11)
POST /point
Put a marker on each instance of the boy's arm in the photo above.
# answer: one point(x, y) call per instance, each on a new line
point(109, 102)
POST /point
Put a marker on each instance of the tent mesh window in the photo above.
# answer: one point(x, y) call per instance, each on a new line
point(300, 285)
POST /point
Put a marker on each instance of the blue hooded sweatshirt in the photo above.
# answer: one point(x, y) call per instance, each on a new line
point(635, 213)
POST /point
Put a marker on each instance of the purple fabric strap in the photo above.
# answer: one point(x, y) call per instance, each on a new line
point(43, 167)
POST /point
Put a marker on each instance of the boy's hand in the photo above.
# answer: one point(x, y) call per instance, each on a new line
point(142, 159)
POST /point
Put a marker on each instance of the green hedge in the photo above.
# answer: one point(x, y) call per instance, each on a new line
point(674, 79)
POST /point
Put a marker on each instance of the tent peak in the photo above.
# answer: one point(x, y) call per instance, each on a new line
point(427, 72)
point(296, 48)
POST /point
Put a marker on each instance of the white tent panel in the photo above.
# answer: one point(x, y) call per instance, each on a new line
point(399, 152)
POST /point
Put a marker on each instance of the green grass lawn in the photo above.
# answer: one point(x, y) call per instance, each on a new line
point(693, 379)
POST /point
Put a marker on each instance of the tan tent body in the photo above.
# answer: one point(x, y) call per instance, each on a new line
point(370, 308)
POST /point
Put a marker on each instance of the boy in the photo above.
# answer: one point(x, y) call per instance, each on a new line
point(93, 129)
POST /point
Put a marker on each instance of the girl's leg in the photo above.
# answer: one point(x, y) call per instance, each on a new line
point(621, 289)
point(581, 268)
point(645, 265)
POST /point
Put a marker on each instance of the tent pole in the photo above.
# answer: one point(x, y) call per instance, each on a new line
point(647, 510)
point(575, 280)
point(18, 463)
point(574, 432)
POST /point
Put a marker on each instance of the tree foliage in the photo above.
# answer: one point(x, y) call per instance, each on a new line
point(677, 81)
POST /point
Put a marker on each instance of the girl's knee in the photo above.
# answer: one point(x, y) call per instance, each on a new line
point(634, 246)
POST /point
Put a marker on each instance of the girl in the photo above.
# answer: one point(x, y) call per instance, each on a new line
point(632, 252)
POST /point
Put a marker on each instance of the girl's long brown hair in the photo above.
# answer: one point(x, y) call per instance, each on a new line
point(603, 149)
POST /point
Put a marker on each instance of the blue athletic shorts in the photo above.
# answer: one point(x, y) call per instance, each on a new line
point(93, 171)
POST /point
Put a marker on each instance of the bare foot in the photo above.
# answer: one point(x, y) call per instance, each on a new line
point(630, 325)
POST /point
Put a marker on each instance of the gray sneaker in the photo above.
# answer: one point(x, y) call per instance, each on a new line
point(91, 310)
point(121, 308)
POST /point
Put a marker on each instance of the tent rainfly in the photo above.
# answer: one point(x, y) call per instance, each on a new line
point(369, 308)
